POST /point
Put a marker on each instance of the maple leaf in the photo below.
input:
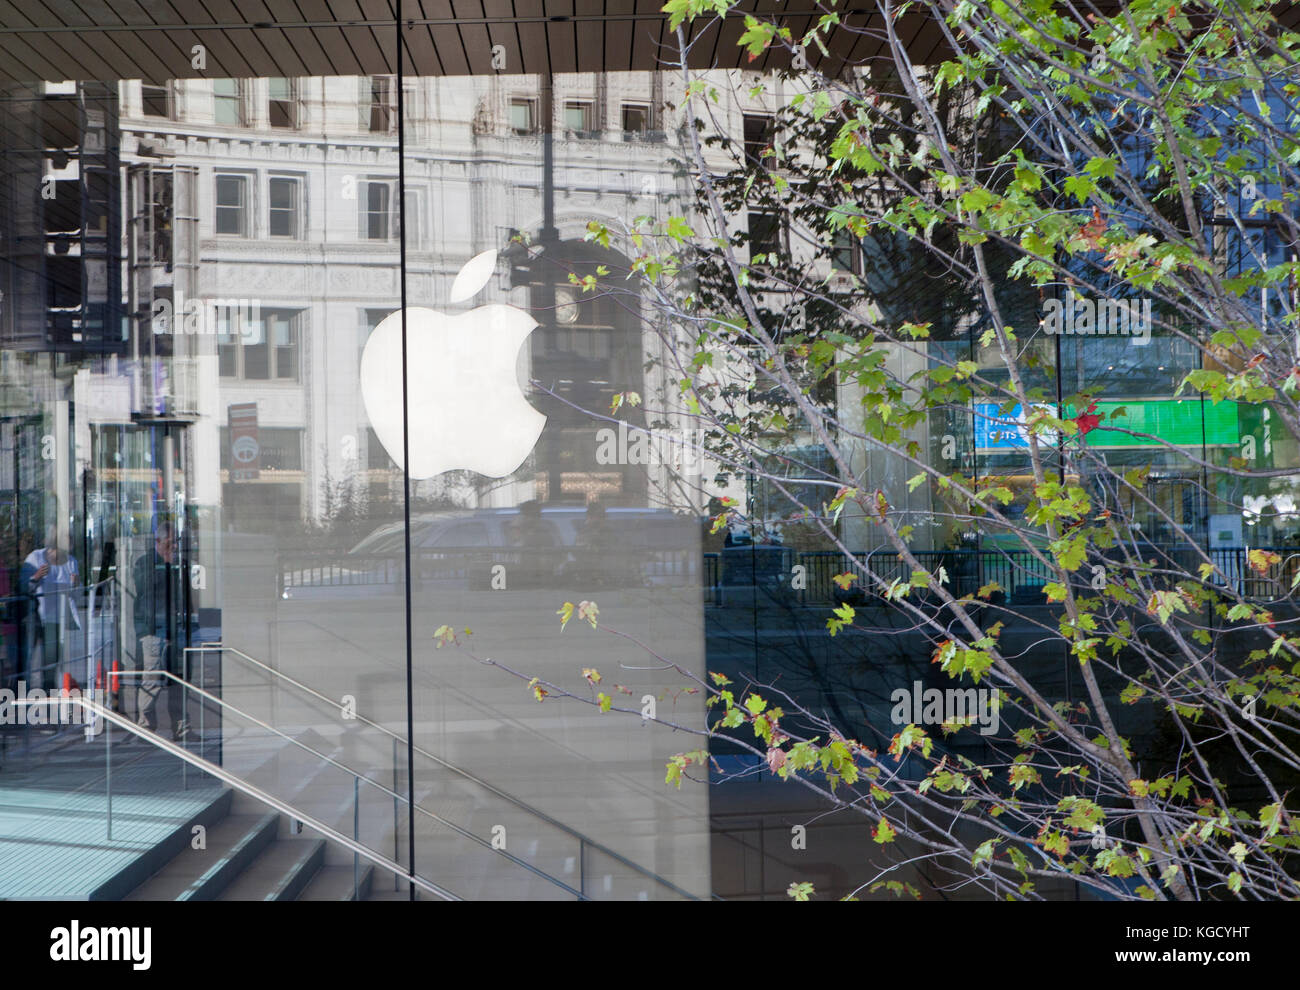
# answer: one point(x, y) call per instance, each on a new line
point(1093, 229)
point(776, 759)
point(1088, 420)
point(1262, 560)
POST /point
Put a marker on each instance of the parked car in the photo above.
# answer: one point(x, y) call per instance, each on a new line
point(509, 550)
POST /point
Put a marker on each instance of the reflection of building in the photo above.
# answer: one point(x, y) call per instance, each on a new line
point(295, 188)
point(191, 270)
point(182, 340)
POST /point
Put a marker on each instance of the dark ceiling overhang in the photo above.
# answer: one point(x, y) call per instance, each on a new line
point(153, 39)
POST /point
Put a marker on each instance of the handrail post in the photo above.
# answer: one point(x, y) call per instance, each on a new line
point(108, 778)
point(582, 867)
point(356, 835)
point(185, 710)
point(397, 858)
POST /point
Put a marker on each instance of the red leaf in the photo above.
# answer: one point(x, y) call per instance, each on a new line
point(776, 759)
point(1087, 421)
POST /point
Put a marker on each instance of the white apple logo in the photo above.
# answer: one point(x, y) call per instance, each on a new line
point(464, 401)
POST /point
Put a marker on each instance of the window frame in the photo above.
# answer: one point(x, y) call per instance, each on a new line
point(245, 208)
point(369, 104)
point(273, 376)
point(843, 241)
point(169, 101)
point(292, 101)
point(779, 245)
point(647, 115)
point(364, 212)
point(531, 104)
point(299, 198)
point(588, 109)
point(752, 148)
point(240, 99)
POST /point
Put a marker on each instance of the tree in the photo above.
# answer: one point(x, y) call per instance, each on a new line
point(1058, 365)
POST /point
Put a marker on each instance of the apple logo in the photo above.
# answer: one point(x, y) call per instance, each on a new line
point(465, 405)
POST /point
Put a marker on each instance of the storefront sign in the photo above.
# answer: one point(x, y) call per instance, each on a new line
point(245, 445)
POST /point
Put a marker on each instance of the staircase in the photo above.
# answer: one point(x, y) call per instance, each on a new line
point(244, 857)
point(143, 818)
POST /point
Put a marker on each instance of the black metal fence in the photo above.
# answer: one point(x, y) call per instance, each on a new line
point(797, 577)
point(806, 577)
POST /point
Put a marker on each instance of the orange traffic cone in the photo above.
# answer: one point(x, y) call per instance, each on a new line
point(99, 676)
point(114, 683)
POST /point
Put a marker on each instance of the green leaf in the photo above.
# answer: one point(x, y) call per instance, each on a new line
point(565, 612)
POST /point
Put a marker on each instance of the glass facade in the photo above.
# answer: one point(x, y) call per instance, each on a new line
point(207, 449)
point(202, 337)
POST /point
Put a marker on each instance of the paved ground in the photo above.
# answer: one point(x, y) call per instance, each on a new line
point(54, 835)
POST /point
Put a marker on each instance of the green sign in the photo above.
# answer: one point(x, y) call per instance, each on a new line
point(1175, 421)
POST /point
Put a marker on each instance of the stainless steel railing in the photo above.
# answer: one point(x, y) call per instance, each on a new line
point(358, 778)
point(97, 711)
point(585, 842)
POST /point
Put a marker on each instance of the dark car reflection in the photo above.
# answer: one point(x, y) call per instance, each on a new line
point(514, 549)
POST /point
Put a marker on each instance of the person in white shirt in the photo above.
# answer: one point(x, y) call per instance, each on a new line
point(50, 574)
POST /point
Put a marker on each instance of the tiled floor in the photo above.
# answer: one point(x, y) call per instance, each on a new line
point(54, 836)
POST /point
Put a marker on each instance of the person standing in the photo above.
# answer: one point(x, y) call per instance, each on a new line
point(10, 600)
point(52, 576)
point(157, 602)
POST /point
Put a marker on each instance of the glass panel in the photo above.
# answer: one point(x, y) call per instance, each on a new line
point(546, 499)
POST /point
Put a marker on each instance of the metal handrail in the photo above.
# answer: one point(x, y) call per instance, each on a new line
point(568, 829)
point(359, 777)
point(243, 787)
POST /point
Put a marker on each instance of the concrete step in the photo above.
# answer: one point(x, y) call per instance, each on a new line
point(280, 873)
point(335, 883)
point(158, 857)
point(202, 874)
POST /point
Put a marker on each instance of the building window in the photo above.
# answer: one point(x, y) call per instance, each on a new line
point(232, 205)
point(264, 348)
point(227, 102)
point(764, 233)
point(377, 220)
point(412, 216)
point(282, 107)
point(379, 104)
point(580, 117)
point(285, 201)
point(636, 121)
point(155, 101)
point(845, 253)
point(523, 115)
point(758, 137)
